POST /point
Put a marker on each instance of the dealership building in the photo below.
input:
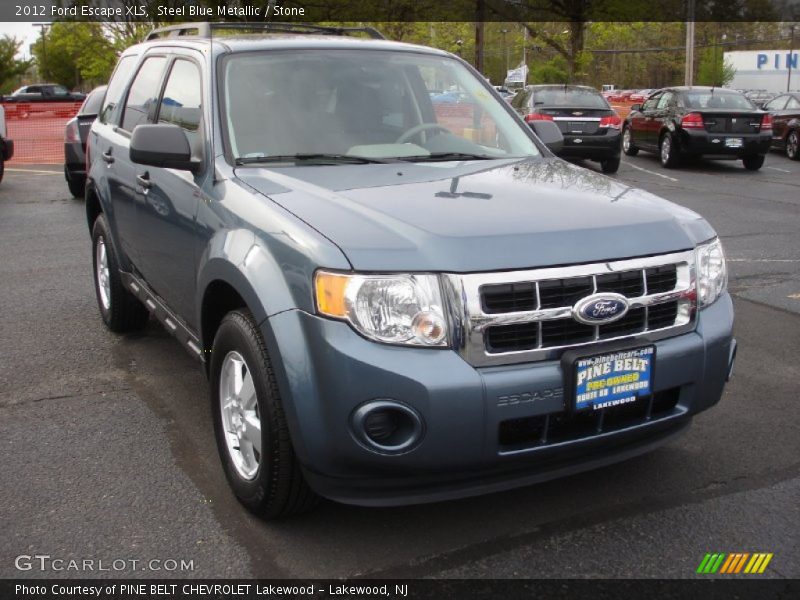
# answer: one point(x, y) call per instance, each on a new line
point(764, 70)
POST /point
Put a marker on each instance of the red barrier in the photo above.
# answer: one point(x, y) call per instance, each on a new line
point(37, 129)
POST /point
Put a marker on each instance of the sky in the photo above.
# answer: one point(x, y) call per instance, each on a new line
point(23, 31)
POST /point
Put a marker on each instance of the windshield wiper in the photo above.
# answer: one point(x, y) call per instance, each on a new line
point(330, 158)
point(447, 156)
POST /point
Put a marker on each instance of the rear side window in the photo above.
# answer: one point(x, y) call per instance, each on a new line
point(143, 95)
point(182, 101)
point(91, 106)
point(776, 103)
point(793, 103)
point(116, 86)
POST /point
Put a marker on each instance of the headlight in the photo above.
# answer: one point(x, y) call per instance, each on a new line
point(712, 275)
point(395, 309)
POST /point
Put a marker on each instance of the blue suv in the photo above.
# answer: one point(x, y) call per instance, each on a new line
point(395, 300)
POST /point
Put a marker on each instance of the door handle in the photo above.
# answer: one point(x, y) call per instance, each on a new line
point(106, 156)
point(143, 180)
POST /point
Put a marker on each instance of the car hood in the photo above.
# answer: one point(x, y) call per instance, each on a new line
point(477, 215)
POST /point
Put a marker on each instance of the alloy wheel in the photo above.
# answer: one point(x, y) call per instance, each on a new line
point(102, 273)
point(241, 420)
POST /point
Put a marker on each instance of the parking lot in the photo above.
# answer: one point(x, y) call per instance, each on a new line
point(108, 450)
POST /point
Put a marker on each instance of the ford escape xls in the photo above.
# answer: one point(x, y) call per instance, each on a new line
point(395, 300)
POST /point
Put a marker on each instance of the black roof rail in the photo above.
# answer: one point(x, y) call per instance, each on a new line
point(205, 29)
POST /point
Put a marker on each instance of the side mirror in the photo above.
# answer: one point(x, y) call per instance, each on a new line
point(163, 145)
point(550, 134)
point(636, 107)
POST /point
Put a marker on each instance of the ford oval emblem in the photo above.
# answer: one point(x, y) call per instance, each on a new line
point(599, 309)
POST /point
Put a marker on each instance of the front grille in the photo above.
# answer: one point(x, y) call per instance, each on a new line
point(509, 297)
point(528, 315)
point(562, 293)
point(554, 428)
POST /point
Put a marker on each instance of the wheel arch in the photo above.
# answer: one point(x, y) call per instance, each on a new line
point(238, 272)
point(93, 206)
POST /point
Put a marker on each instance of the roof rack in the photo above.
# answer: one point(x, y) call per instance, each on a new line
point(205, 29)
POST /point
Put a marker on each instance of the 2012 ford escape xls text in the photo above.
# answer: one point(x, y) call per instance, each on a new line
point(396, 300)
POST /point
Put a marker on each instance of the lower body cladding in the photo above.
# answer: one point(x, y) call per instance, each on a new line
point(381, 425)
point(724, 145)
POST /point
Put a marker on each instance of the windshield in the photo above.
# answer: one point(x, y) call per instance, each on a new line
point(558, 97)
point(372, 104)
point(718, 99)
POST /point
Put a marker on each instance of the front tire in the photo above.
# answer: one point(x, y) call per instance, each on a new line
point(793, 145)
point(627, 142)
point(249, 423)
point(120, 309)
point(610, 165)
point(753, 162)
point(668, 152)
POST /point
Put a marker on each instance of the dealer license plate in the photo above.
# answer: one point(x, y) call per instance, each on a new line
point(612, 379)
point(734, 142)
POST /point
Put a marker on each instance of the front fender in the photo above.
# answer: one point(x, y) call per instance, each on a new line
point(235, 257)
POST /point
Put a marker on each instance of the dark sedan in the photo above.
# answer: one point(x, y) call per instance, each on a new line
point(785, 112)
point(590, 127)
point(698, 121)
point(76, 132)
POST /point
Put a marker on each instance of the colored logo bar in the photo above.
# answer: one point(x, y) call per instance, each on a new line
point(734, 563)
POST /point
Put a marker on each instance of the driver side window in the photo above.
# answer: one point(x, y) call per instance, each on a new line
point(652, 102)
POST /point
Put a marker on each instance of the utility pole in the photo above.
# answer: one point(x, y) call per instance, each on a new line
point(480, 29)
point(789, 60)
point(524, 56)
point(689, 72)
point(505, 32)
point(43, 30)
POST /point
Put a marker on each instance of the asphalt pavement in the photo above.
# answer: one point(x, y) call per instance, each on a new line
point(108, 451)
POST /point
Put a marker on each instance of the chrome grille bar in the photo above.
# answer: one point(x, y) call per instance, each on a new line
point(470, 321)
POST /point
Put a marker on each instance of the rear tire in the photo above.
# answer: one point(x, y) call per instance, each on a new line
point(120, 309)
point(610, 165)
point(2, 168)
point(753, 162)
point(793, 145)
point(627, 142)
point(76, 184)
point(269, 483)
point(668, 152)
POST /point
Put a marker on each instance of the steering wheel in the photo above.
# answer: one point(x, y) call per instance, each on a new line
point(419, 128)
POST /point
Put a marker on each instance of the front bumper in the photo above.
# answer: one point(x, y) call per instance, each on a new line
point(326, 371)
point(714, 144)
point(6, 148)
point(596, 147)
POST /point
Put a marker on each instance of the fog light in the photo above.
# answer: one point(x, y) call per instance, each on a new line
point(387, 426)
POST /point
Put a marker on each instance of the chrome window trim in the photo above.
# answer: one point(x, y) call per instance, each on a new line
point(468, 321)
